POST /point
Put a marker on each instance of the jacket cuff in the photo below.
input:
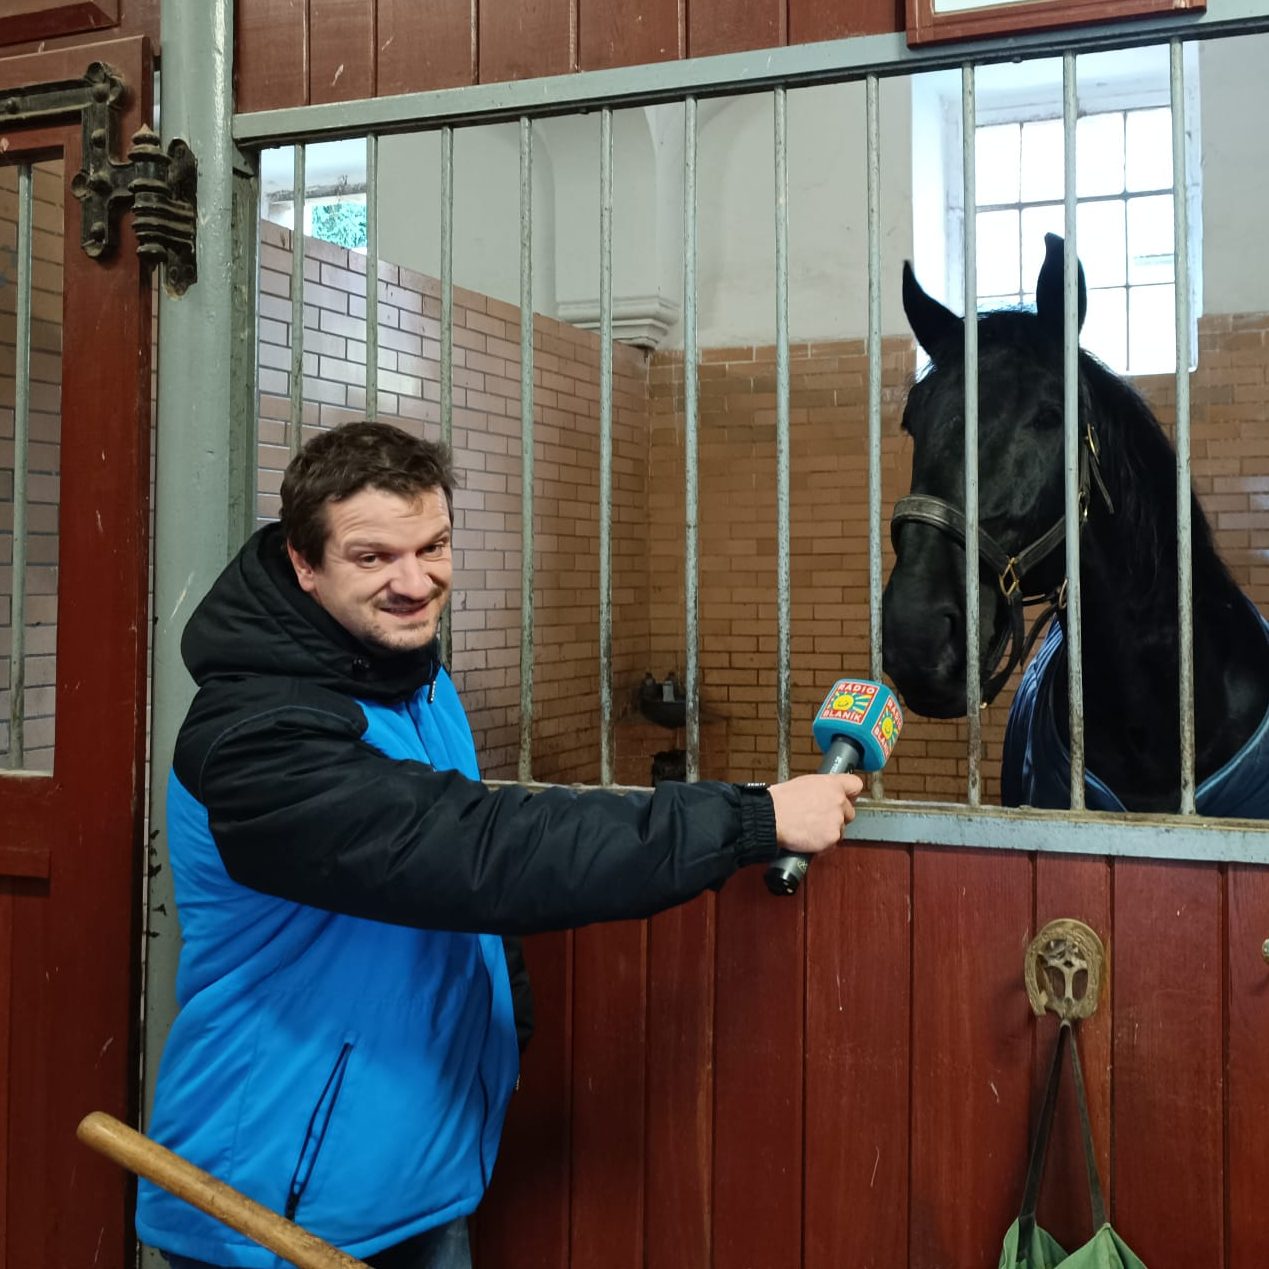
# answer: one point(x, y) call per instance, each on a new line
point(757, 842)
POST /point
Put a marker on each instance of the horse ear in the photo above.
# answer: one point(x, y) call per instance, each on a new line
point(1048, 286)
point(932, 324)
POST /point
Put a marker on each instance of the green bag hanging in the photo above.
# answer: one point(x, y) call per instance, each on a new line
point(1027, 1246)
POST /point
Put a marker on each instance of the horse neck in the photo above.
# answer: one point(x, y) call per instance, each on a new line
point(1130, 637)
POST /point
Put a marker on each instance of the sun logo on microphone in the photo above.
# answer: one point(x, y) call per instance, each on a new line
point(886, 729)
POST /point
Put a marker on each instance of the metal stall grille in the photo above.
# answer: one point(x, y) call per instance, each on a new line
point(867, 62)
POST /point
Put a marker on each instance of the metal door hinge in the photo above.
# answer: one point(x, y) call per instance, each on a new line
point(160, 186)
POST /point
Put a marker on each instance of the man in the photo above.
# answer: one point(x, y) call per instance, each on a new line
point(345, 1046)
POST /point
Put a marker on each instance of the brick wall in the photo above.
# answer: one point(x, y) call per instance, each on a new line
point(486, 438)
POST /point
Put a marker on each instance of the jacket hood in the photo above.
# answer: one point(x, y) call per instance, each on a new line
point(256, 620)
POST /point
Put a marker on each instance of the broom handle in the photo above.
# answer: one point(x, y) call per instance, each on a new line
point(137, 1153)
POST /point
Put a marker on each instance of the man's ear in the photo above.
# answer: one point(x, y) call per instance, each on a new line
point(304, 573)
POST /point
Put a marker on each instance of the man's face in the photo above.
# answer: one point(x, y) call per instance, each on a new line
point(388, 567)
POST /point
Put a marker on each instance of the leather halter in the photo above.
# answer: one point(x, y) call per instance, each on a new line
point(1010, 570)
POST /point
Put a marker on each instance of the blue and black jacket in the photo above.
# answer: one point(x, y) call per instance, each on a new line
point(346, 1046)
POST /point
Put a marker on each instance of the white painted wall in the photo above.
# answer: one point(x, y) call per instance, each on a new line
point(826, 203)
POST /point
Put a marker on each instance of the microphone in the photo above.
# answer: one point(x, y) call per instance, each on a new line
point(856, 727)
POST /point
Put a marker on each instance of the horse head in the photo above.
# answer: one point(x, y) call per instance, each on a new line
point(1020, 483)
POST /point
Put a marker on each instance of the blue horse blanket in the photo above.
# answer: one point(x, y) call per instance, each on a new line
point(1036, 768)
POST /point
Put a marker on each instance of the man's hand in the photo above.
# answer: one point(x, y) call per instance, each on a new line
point(813, 810)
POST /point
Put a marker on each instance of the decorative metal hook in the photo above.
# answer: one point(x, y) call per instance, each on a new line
point(1063, 969)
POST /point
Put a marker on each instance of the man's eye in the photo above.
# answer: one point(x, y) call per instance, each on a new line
point(367, 560)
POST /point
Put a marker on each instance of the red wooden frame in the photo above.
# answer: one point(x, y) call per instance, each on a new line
point(991, 17)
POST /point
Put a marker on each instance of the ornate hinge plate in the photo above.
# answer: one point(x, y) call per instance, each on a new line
point(160, 186)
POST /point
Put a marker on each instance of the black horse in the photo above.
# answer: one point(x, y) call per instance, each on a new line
point(1128, 574)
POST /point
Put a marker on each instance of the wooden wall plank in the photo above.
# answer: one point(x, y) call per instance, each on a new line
point(425, 46)
point(971, 1052)
point(523, 1222)
point(1079, 887)
point(858, 914)
point(680, 1084)
point(341, 50)
point(522, 39)
point(729, 26)
point(22, 20)
point(613, 33)
point(610, 1046)
point(270, 54)
point(831, 20)
point(1247, 1076)
point(1169, 1158)
point(757, 1214)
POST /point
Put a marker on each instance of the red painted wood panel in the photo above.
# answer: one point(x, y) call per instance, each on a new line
point(522, 39)
point(6, 1031)
point(43, 19)
point(75, 935)
point(858, 915)
point(1247, 1072)
point(341, 50)
point(422, 47)
point(971, 1052)
point(1078, 887)
point(610, 1045)
point(758, 1076)
point(611, 33)
point(270, 54)
point(1169, 1155)
point(831, 20)
point(729, 26)
point(523, 1222)
point(680, 1048)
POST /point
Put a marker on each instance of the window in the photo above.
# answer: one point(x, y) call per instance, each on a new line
point(1124, 191)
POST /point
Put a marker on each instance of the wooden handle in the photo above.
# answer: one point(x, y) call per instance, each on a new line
point(107, 1135)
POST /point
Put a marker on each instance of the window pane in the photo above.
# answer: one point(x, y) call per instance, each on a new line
point(1100, 242)
point(1151, 330)
point(996, 164)
point(28, 650)
point(1042, 160)
point(998, 252)
point(1149, 145)
point(1099, 154)
point(1104, 333)
point(1150, 239)
point(1036, 222)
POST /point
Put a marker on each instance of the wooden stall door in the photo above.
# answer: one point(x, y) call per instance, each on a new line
point(71, 784)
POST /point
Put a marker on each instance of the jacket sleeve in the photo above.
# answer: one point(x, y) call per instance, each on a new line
point(300, 807)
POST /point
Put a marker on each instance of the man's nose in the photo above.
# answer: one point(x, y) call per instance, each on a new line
point(413, 577)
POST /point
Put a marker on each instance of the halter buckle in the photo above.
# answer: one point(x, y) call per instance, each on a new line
point(1010, 582)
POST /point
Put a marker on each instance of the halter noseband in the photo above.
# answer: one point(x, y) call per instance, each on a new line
point(1010, 570)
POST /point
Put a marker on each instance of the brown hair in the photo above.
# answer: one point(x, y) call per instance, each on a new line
point(347, 459)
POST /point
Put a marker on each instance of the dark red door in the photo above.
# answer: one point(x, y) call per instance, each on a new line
point(75, 348)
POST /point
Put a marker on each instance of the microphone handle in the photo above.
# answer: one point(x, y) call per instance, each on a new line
point(785, 874)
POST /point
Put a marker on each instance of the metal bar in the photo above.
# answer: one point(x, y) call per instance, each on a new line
point(372, 277)
point(973, 632)
point(447, 332)
point(21, 458)
point(606, 734)
point(1136, 836)
point(1081, 832)
point(754, 71)
point(691, 476)
point(1184, 518)
point(1071, 436)
point(198, 432)
point(295, 423)
point(873, 130)
point(526, 449)
point(783, 585)
point(244, 428)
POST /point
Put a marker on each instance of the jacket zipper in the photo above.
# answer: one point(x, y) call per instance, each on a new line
point(315, 1134)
